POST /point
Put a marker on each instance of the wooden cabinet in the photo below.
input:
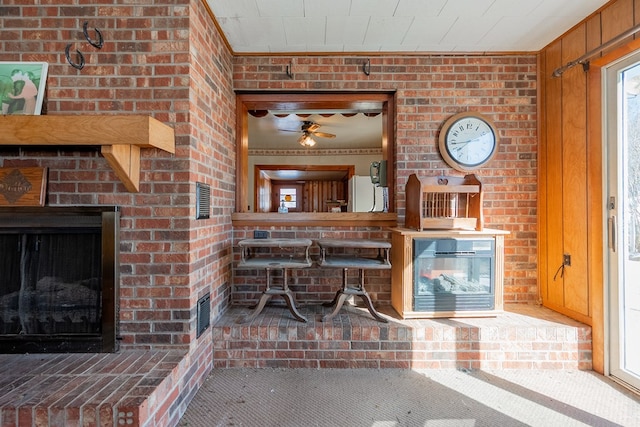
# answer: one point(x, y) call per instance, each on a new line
point(403, 274)
point(444, 202)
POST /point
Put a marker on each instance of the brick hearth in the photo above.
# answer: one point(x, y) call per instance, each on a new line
point(133, 388)
point(524, 337)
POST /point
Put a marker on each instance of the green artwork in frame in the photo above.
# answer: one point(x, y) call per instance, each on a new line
point(22, 87)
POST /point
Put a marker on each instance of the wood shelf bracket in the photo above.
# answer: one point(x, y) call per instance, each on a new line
point(120, 136)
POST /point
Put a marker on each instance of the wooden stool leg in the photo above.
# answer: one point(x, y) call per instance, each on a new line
point(263, 301)
point(367, 300)
point(289, 299)
point(337, 296)
point(340, 300)
point(333, 302)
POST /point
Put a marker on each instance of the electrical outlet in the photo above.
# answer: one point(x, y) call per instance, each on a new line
point(260, 234)
point(566, 260)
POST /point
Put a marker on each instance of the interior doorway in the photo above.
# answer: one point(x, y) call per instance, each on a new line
point(622, 196)
point(309, 188)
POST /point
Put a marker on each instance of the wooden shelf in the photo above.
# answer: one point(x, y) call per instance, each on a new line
point(120, 136)
point(315, 219)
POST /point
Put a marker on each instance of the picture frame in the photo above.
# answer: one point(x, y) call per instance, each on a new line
point(22, 87)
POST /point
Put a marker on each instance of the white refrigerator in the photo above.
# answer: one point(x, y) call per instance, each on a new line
point(361, 195)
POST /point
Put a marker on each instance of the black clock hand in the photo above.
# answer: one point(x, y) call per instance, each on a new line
point(463, 143)
point(467, 142)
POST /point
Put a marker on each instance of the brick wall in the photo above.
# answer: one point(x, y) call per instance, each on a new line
point(429, 90)
point(212, 160)
point(161, 58)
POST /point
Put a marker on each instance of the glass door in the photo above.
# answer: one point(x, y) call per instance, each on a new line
point(622, 127)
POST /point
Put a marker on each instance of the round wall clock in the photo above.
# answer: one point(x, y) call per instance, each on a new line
point(467, 141)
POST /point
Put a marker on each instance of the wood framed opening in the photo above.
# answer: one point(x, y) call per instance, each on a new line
point(316, 186)
point(375, 102)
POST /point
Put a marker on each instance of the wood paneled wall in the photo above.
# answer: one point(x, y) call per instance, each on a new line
point(317, 193)
point(570, 190)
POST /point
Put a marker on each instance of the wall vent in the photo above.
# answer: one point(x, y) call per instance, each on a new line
point(203, 200)
point(204, 313)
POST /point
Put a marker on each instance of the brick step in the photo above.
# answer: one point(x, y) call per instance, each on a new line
point(524, 337)
point(128, 388)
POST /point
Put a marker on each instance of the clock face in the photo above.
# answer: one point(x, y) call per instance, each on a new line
point(468, 141)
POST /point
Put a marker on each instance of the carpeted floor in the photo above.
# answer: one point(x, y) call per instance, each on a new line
point(403, 398)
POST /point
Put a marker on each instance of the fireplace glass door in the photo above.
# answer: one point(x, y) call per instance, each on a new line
point(453, 274)
point(58, 279)
point(47, 293)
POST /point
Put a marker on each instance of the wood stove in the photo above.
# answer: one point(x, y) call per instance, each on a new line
point(59, 279)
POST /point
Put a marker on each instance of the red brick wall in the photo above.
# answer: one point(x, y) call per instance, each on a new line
point(161, 58)
point(212, 159)
point(429, 90)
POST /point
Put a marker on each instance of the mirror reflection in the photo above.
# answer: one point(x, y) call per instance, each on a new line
point(314, 161)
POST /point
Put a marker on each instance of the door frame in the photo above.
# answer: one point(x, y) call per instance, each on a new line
point(616, 266)
point(597, 215)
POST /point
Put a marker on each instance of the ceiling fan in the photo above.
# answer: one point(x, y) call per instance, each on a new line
point(308, 130)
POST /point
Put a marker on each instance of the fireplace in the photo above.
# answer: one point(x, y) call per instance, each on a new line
point(453, 274)
point(447, 273)
point(59, 279)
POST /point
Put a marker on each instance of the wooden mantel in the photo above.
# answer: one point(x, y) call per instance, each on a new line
point(120, 137)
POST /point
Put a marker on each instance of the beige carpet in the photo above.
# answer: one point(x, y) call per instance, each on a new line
point(402, 398)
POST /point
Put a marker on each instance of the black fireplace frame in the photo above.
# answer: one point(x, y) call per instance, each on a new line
point(47, 219)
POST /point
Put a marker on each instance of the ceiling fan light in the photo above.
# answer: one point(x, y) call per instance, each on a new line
point(307, 141)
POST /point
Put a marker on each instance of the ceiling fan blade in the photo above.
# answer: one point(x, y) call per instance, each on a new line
point(323, 134)
point(312, 127)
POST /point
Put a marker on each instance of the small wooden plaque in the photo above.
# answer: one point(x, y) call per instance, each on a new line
point(23, 186)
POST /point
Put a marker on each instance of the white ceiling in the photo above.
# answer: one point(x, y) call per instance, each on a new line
point(363, 26)
point(333, 26)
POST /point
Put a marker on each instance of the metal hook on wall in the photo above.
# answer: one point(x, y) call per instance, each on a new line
point(98, 44)
point(77, 65)
point(290, 70)
point(366, 67)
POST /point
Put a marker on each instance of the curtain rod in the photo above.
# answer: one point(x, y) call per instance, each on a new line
point(584, 58)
